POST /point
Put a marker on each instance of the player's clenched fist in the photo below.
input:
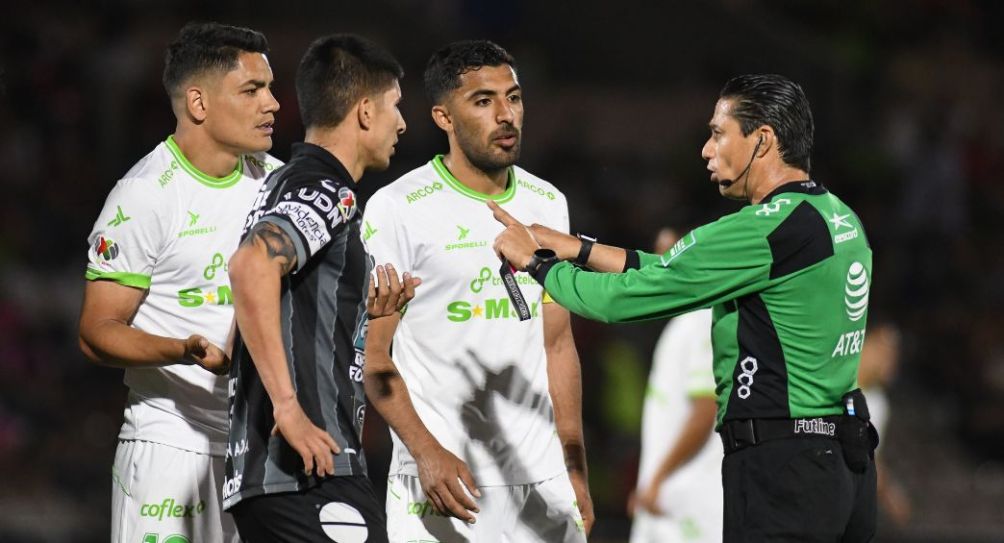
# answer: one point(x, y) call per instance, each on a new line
point(200, 351)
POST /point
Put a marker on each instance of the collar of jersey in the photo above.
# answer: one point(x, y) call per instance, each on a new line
point(207, 180)
point(455, 184)
point(805, 186)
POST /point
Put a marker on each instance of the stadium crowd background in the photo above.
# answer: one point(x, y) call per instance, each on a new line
point(906, 97)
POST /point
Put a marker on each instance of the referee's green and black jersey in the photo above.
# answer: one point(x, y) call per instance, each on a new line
point(788, 280)
point(323, 323)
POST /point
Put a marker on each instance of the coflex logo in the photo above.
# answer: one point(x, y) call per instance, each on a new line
point(856, 292)
point(171, 509)
point(423, 509)
point(749, 367)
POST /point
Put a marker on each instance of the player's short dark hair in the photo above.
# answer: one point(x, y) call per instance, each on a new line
point(778, 102)
point(201, 47)
point(336, 72)
point(443, 71)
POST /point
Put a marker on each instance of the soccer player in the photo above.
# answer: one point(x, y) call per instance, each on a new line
point(679, 494)
point(158, 301)
point(479, 453)
point(295, 470)
point(788, 277)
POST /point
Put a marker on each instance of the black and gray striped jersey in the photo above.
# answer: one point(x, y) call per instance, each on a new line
point(323, 319)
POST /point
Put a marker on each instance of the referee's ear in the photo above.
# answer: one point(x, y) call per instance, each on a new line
point(441, 116)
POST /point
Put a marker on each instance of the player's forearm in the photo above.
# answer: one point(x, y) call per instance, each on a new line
point(565, 383)
point(388, 394)
point(256, 283)
point(116, 344)
point(696, 432)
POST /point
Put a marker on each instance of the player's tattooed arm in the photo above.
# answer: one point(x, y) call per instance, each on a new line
point(276, 242)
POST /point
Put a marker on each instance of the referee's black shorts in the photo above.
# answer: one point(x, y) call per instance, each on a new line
point(343, 509)
point(797, 489)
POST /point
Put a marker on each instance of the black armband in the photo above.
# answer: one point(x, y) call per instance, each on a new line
point(632, 261)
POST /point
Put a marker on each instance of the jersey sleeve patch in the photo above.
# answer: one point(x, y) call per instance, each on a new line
point(308, 224)
point(128, 234)
point(315, 212)
point(686, 242)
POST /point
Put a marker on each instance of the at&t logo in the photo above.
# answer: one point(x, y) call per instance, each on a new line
point(856, 292)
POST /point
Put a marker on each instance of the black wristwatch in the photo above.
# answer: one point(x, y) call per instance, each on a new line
point(539, 258)
point(584, 249)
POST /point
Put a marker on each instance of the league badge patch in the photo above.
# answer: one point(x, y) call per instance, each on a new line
point(346, 203)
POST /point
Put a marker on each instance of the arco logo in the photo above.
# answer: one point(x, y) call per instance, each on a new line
point(422, 192)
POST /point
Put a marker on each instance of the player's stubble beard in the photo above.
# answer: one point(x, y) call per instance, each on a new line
point(487, 156)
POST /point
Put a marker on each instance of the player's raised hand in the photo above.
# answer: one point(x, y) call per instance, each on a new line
point(201, 351)
point(444, 477)
point(387, 294)
point(315, 446)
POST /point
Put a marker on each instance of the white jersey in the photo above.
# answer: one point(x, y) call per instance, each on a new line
point(171, 229)
point(681, 369)
point(477, 375)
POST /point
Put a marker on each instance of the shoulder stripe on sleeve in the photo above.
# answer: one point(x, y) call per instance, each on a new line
point(137, 280)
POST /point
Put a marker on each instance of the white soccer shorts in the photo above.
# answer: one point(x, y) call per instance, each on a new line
point(544, 512)
point(161, 494)
point(694, 526)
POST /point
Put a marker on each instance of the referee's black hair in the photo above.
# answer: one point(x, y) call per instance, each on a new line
point(443, 71)
point(201, 47)
point(336, 72)
point(778, 102)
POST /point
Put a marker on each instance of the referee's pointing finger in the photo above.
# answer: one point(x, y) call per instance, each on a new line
point(501, 215)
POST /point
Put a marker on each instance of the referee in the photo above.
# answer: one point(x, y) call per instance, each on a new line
point(788, 278)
